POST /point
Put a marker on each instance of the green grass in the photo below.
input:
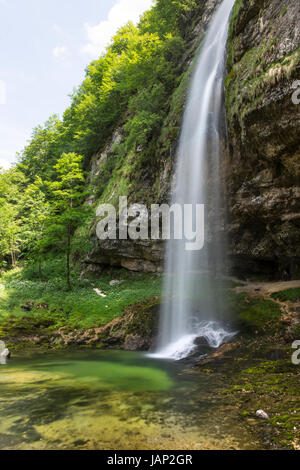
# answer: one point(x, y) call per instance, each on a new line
point(80, 308)
point(255, 313)
point(292, 295)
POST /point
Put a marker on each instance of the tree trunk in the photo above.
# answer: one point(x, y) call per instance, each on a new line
point(68, 259)
point(69, 250)
point(13, 259)
point(40, 270)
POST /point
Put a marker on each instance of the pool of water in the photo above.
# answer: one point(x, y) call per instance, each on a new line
point(114, 401)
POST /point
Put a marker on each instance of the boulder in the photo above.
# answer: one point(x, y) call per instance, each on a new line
point(4, 353)
point(262, 414)
point(135, 343)
point(115, 283)
point(28, 307)
point(201, 341)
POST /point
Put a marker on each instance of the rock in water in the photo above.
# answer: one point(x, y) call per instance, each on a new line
point(262, 414)
point(135, 343)
point(201, 341)
point(4, 353)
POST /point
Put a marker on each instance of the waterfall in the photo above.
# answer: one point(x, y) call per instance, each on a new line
point(193, 307)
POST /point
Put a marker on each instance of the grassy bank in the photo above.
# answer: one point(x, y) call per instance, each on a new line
point(30, 302)
point(289, 295)
point(49, 303)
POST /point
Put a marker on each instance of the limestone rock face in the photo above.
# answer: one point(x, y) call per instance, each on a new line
point(135, 343)
point(138, 255)
point(263, 165)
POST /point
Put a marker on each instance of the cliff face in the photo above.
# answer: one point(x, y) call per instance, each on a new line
point(150, 184)
point(261, 168)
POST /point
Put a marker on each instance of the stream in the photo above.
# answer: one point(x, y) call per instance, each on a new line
point(111, 400)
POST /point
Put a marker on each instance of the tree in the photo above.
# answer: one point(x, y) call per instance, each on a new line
point(41, 154)
point(67, 210)
point(34, 211)
point(11, 186)
point(9, 231)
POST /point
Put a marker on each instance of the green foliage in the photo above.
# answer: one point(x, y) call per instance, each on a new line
point(40, 155)
point(67, 208)
point(234, 16)
point(256, 313)
point(130, 86)
point(80, 308)
point(131, 83)
point(289, 295)
point(23, 209)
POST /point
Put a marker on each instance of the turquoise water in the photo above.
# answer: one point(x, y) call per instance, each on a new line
point(113, 400)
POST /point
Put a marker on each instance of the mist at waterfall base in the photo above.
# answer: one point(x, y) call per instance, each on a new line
point(194, 307)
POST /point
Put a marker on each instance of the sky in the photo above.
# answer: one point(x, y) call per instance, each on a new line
point(45, 46)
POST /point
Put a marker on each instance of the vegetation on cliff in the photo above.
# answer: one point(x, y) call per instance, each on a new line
point(130, 85)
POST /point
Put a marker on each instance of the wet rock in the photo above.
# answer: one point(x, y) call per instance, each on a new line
point(135, 343)
point(262, 414)
point(4, 353)
point(28, 307)
point(202, 347)
point(201, 341)
point(115, 283)
point(42, 307)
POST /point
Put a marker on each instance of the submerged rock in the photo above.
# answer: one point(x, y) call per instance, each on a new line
point(262, 414)
point(201, 341)
point(202, 346)
point(135, 343)
point(4, 353)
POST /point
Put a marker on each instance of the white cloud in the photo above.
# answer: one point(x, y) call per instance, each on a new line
point(3, 92)
point(12, 141)
point(6, 158)
point(60, 52)
point(100, 35)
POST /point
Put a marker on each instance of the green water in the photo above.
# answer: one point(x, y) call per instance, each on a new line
point(114, 400)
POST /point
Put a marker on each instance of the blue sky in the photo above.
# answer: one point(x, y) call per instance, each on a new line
point(45, 46)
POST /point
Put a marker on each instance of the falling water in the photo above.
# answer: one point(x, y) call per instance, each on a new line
point(193, 307)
